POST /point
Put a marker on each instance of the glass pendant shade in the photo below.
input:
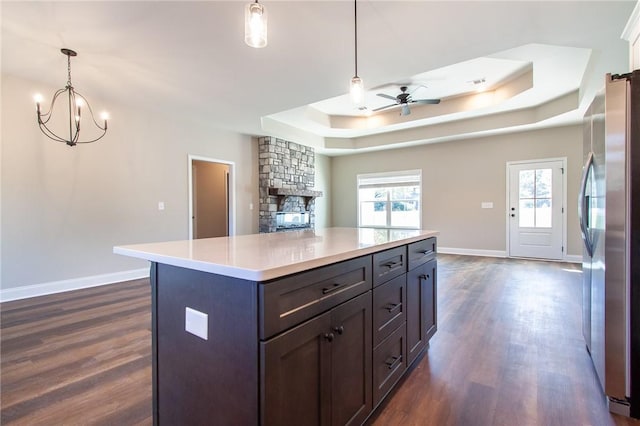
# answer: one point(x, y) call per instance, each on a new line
point(255, 25)
point(357, 90)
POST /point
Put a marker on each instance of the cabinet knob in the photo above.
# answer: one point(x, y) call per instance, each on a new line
point(339, 330)
point(329, 336)
point(424, 277)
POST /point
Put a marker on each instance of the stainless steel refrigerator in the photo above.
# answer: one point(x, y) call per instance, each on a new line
point(609, 212)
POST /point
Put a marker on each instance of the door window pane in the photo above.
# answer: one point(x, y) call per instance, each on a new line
point(543, 183)
point(543, 213)
point(527, 213)
point(527, 183)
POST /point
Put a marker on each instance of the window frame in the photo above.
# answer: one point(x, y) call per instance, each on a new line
point(389, 180)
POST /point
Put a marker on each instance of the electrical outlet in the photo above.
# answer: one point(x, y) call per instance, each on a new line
point(486, 205)
point(160, 205)
point(196, 323)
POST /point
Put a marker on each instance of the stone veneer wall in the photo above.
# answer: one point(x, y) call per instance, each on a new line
point(284, 164)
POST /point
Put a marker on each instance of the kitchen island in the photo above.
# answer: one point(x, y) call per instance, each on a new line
point(292, 328)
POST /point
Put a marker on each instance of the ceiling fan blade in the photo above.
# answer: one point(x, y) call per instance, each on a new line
point(384, 95)
point(425, 101)
point(384, 107)
point(405, 110)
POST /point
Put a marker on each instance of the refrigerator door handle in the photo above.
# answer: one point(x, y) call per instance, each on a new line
point(582, 206)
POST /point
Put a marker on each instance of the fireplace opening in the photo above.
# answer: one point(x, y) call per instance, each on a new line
point(287, 220)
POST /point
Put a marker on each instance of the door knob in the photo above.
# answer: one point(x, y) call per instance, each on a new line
point(513, 215)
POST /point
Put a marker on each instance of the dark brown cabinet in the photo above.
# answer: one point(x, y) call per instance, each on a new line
point(320, 347)
point(421, 307)
point(319, 373)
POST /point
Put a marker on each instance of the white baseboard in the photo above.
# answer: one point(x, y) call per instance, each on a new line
point(573, 258)
point(570, 258)
point(472, 252)
point(17, 293)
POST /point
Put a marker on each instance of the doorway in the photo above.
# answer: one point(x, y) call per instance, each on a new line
point(536, 225)
point(210, 198)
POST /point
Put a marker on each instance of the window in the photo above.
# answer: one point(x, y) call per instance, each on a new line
point(390, 200)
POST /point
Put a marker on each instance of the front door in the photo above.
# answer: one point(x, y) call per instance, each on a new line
point(535, 209)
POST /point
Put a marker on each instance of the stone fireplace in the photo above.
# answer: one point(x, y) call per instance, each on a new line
point(286, 178)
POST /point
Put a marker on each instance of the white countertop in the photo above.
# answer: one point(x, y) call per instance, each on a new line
point(262, 257)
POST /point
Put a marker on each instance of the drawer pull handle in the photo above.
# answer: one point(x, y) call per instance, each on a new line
point(391, 265)
point(424, 277)
point(329, 337)
point(339, 330)
point(392, 307)
point(426, 251)
point(393, 361)
point(332, 288)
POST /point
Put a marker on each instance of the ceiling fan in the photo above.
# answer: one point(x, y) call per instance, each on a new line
point(404, 99)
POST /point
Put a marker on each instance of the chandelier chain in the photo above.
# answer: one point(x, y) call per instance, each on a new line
point(355, 33)
point(69, 71)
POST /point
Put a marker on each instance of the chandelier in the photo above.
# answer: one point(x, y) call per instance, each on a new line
point(76, 104)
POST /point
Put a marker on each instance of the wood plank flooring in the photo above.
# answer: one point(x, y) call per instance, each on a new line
point(508, 351)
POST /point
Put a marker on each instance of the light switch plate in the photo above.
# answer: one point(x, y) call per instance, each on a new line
point(196, 323)
point(486, 205)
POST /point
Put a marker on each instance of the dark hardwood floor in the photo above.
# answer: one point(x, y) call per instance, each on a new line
point(508, 351)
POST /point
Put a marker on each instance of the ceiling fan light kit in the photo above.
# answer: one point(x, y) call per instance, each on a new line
point(76, 104)
point(255, 25)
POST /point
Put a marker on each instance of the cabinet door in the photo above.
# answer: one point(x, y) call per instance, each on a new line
point(431, 303)
point(351, 392)
point(421, 308)
point(296, 375)
point(389, 308)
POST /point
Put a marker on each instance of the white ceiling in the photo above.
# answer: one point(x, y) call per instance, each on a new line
point(188, 59)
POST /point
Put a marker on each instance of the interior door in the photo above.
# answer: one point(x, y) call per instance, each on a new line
point(536, 211)
point(210, 208)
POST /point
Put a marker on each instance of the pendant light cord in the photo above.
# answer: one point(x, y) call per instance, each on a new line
point(355, 32)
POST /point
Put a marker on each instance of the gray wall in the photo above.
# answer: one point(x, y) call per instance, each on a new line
point(458, 176)
point(323, 183)
point(63, 209)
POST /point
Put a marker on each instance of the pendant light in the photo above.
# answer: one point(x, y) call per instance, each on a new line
point(255, 25)
point(357, 86)
point(76, 104)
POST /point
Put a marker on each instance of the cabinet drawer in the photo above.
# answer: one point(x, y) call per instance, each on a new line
point(389, 264)
point(389, 363)
point(389, 308)
point(421, 252)
point(289, 301)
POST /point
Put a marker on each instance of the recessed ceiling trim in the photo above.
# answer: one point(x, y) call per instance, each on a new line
point(461, 103)
point(469, 126)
